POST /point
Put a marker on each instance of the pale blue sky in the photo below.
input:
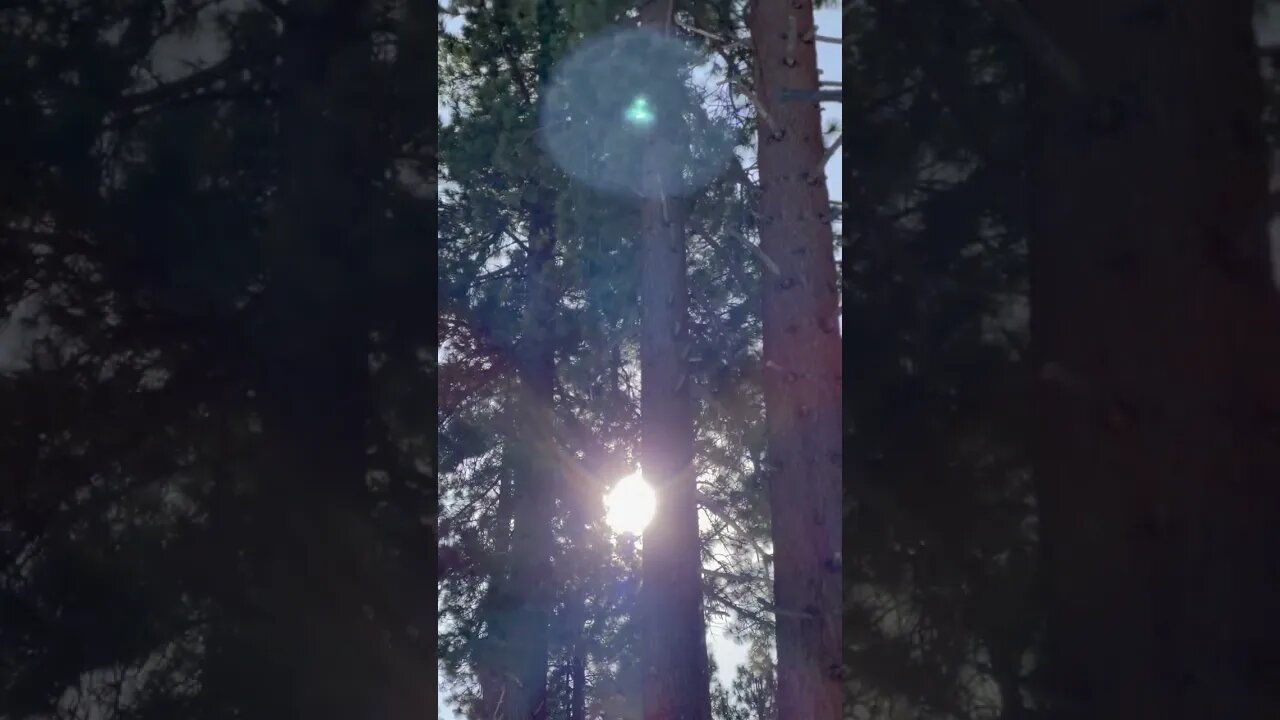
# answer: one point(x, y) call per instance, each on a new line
point(729, 655)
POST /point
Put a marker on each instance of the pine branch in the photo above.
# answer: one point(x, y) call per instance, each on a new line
point(520, 243)
point(830, 151)
point(764, 259)
point(714, 507)
point(198, 81)
point(755, 617)
point(792, 95)
point(734, 577)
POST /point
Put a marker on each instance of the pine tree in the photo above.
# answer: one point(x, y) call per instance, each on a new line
point(940, 577)
point(676, 681)
point(168, 216)
point(1153, 327)
point(802, 373)
point(518, 635)
point(755, 686)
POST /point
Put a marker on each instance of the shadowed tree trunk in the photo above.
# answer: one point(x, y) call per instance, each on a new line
point(327, 601)
point(489, 669)
point(802, 375)
point(523, 604)
point(674, 654)
point(1156, 333)
point(578, 700)
point(580, 501)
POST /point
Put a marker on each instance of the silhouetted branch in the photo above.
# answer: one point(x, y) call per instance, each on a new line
point(195, 82)
point(830, 151)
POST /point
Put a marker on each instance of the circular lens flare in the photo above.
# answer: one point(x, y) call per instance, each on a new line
point(603, 103)
point(639, 113)
point(629, 505)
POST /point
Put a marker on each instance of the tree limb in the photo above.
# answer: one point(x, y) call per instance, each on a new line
point(826, 155)
point(195, 82)
point(756, 617)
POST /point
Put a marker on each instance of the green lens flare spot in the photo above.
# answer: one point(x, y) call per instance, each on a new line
point(639, 112)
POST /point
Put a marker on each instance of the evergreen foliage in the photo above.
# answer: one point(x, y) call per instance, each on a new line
point(140, 217)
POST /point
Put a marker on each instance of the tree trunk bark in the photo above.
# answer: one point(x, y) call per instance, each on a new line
point(524, 610)
point(1156, 333)
point(674, 655)
point(335, 645)
point(802, 380)
point(525, 601)
point(578, 700)
point(579, 497)
point(489, 667)
point(314, 382)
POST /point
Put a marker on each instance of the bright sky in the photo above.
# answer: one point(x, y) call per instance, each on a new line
point(729, 654)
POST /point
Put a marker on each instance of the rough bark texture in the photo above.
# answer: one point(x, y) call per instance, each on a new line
point(1157, 337)
point(802, 381)
point(676, 680)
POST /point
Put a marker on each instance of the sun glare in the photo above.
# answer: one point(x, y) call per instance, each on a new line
point(629, 505)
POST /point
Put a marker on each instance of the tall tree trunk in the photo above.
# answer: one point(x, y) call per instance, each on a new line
point(576, 494)
point(522, 625)
point(489, 667)
point(674, 655)
point(802, 382)
point(1156, 333)
point(578, 700)
point(524, 610)
point(331, 631)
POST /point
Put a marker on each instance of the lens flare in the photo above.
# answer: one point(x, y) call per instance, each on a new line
point(639, 113)
point(604, 102)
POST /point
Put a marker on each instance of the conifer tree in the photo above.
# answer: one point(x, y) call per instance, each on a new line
point(802, 364)
point(1153, 325)
point(168, 200)
point(676, 681)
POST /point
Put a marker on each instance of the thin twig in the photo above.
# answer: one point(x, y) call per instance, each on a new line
point(716, 508)
point(773, 126)
point(768, 261)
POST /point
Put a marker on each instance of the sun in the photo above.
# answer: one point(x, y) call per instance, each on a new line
point(629, 505)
